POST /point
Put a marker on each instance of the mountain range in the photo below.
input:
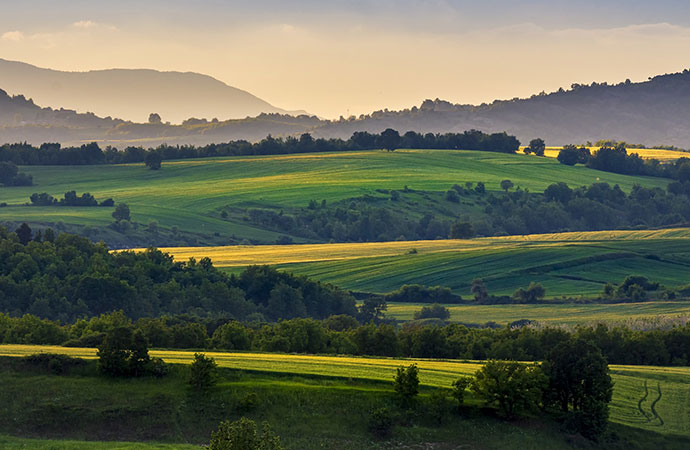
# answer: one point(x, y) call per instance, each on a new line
point(654, 112)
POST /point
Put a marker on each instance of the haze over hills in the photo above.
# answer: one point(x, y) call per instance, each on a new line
point(654, 112)
point(132, 94)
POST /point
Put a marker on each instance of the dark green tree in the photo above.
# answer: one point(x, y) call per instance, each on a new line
point(123, 353)
point(24, 233)
point(121, 212)
point(153, 160)
point(536, 146)
point(479, 290)
point(203, 372)
point(389, 140)
point(460, 388)
point(506, 185)
point(406, 384)
point(461, 230)
point(579, 384)
point(514, 387)
point(8, 170)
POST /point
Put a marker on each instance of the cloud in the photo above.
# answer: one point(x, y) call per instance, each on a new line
point(14, 36)
point(90, 24)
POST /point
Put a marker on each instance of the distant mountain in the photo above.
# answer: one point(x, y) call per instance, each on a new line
point(132, 94)
point(652, 112)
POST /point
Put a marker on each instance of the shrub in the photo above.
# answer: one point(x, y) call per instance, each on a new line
point(203, 372)
point(123, 353)
point(434, 311)
point(437, 406)
point(459, 387)
point(243, 434)
point(381, 422)
point(452, 196)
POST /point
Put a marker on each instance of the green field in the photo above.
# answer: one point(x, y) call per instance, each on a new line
point(189, 194)
point(630, 406)
point(649, 313)
point(570, 264)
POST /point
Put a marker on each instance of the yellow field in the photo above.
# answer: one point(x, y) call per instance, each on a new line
point(243, 255)
point(645, 153)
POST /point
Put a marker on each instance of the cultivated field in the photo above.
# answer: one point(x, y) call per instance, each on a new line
point(189, 194)
point(663, 409)
point(644, 153)
point(571, 264)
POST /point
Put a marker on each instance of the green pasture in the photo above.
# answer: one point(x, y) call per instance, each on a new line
point(189, 193)
point(666, 413)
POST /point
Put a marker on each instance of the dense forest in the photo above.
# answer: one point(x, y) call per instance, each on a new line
point(65, 277)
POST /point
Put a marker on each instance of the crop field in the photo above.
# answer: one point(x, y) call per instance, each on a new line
point(648, 314)
point(571, 264)
point(644, 153)
point(188, 194)
point(13, 443)
point(661, 406)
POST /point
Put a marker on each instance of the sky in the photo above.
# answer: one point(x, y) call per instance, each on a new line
point(335, 58)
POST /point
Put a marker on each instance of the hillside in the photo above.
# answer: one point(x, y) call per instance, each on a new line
point(650, 112)
point(208, 201)
point(132, 94)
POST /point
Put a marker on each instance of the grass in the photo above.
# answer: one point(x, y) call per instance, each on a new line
point(552, 314)
point(570, 264)
point(353, 376)
point(189, 194)
point(15, 443)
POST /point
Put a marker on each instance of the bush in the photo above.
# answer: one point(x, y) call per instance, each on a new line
point(406, 383)
point(203, 372)
point(452, 196)
point(434, 311)
point(123, 353)
point(459, 388)
point(381, 422)
point(243, 434)
point(54, 363)
point(437, 406)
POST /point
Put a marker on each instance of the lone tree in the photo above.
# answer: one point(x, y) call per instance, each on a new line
point(579, 385)
point(532, 294)
point(536, 146)
point(153, 160)
point(406, 383)
point(24, 233)
point(123, 353)
point(121, 212)
point(389, 140)
point(202, 372)
point(8, 170)
point(506, 185)
point(479, 290)
point(155, 118)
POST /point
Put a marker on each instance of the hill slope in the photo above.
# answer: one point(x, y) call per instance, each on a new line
point(132, 94)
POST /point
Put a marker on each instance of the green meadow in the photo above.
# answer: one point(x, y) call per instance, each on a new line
point(189, 194)
point(649, 402)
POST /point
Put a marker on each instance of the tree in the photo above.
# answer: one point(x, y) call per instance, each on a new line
point(389, 140)
point(155, 118)
point(243, 434)
point(24, 233)
point(153, 160)
point(372, 309)
point(480, 188)
point(579, 383)
point(8, 170)
point(202, 374)
point(459, 388)
point(536, 146)
point(479, 290)
point(406, 383)
point(506, 185)
point(123, 353)
point(569, 155)
point(513, 386)
point(434, 311)
point(121, 212)
point(532, 294)
point(461, 230)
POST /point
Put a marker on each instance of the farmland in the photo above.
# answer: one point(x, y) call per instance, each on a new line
point(630, 406)
point(660, 154)
point(570, 264)
point(189, 194)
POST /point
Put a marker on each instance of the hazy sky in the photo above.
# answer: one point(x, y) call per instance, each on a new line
point(335, 57)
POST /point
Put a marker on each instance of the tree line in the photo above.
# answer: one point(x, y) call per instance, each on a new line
point(55, 154)
point(343, 334)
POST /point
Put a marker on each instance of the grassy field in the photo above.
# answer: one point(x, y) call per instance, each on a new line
point(557, 314)
point(571, 264)
point(630, 406)
point(188, 194)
